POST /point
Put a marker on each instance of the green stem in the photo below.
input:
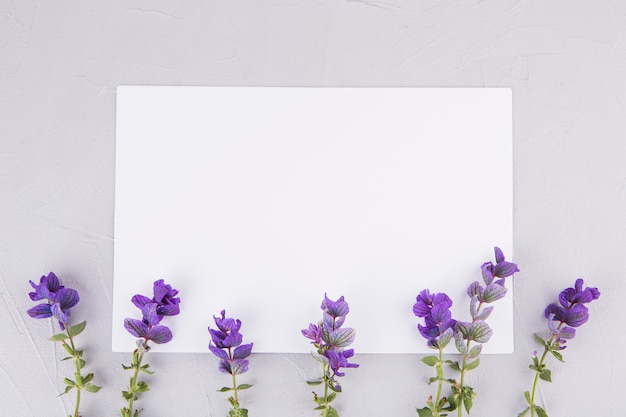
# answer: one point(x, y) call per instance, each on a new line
point(440, 377)
point(462, 384)
point(133, 379)
point(541, 362)
point(235, 397)
point(326, 382)
point(460, 407)
point(77, 375)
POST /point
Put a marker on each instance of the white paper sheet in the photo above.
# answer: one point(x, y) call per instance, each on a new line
point(260, 200)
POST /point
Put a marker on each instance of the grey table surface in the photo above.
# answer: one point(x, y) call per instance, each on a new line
point(61, 61)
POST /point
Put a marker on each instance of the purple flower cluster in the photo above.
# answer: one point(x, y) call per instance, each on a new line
point(438, 326)
point(493, 290)
point(570, 312)
point(224, 339)
point(163, 303)
point(330, 338)
point(59, 300)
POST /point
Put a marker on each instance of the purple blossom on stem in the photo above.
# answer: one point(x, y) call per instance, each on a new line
point(571, 311)
point(439, 328)
point(438, 321)
point(226, 344)
point(493, 290)
point(59, 300)
point(224, 339)
point(163, 303)
point(563, 317)
point(330, 340)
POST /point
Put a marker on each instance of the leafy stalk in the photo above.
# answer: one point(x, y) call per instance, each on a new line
point(440, 405)
point(236, 410)
point(136, 387)
point(541, 372)
point(80, 382)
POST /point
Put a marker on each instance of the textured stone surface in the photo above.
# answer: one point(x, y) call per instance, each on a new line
point(60, 62)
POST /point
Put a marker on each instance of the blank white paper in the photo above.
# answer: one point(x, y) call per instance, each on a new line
point(261, 200)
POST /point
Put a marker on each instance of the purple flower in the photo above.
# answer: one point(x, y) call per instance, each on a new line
point(435, 309)
point(329, 337)
point(339, 359)
point(224, 339)
point(59, 300)
point(314, 332)
point(139, 328)
point(153, 310)
point(502, 269)
point(578, 295)
point(167, 304)
point(47, 287)
point(571, 311)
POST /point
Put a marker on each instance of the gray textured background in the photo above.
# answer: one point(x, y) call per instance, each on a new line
point(60, 62)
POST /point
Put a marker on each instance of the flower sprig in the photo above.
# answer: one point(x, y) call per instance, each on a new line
point(562, 318)
point(226, 344)
point(440, 328)
point(163, 303)
point(330, 340)
point(59, 302)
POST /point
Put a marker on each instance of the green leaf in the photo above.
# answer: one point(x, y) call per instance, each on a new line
point(535, 363)
point(332, 412)
point(243, 386)
point(527, 395)
point(430, 360)
point(475, 351)
point(76, 329)
point(67, 389)
point(425, 412)
point(69, 382)
point(335, 388)
point(472, 365)
point(540, 340)
point(541, 412)
point(467, 402)
point(141, 387)
point(453, 400)
point(523, 413)
point(546, 375)
point(225, 389)
point(454, 365)
point(314, 382)
point(58, 337)
point(557, 355)
point(91, 387)
point(68, 349)
point(81, 363)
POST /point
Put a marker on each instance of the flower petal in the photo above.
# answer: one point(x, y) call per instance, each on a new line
point(136, 327)
point(67, 298)
point(149, 312)
point(140, 300)
point(222, 354)
point(243, 351)
point(40, 311)
point(159, 334)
